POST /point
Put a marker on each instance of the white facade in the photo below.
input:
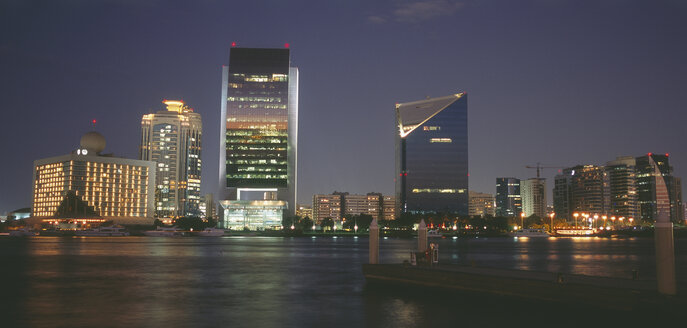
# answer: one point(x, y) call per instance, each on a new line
point(533, 192)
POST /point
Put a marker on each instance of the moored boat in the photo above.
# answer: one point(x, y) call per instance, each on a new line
point(575, 232)
point(102, 232)
point(530, 233)
point(22, 233)
point(164, 232)
point(209, 232)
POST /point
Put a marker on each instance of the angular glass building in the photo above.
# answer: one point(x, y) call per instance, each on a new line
point(259, 115)
point(432, 155)
point(508, 200)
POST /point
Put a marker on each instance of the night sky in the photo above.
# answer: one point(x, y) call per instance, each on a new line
point(561, 82)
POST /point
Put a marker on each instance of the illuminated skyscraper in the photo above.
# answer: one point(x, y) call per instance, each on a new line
point(432, 155)
point(172, 139)
point(259, 132)
point(508, 200)
point(533, 192)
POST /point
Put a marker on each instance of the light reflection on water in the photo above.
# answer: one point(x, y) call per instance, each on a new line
point(268, 281)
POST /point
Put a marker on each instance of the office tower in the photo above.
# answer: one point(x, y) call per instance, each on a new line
point(481, 204)
point(340, 205)
point(508, 200)
point(533, 192)
point(172, 139)
point(327, 206)
point(93, 187)
point(562, 194)
point(646, 186)
point(581, 189)
point(259, 130)
point(432, 155)
point(622, 179)
point(304, 211)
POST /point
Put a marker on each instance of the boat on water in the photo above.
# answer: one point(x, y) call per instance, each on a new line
point(22, 233)
point(209, 232)
point(530, 233)
point(164, 232)
point(102, 232)
point(434, 234)
point(573, 232)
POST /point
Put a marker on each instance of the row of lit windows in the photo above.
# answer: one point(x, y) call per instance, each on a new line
point(257, 99)
point(257, 176)
point(441, 191)
point(234, 147)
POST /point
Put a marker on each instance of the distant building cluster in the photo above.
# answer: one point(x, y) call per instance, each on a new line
point(339, 205)
point(624, 187)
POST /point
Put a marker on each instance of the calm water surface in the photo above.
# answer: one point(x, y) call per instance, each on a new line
point(282, 282)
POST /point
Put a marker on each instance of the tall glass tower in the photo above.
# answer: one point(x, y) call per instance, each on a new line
point(432, 155)
point(172, 139)
point(508, 200)
point(258, 154)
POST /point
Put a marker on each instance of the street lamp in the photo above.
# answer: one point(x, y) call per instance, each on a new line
point(522, 220)
point(613, 221)
point(631, 219)
point(552, 215)
point(576, 215)
point(596, 217)
point(604, 217)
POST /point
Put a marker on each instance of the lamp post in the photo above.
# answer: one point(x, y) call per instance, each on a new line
point(552, 215)
point(576, 215)
point(604, 218)
point(631, 219)
point(596, 217)
point(522, 220)
point(613, 222)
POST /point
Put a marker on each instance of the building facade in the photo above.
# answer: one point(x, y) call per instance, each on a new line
point(432, 155)
point(112, 188)
point(172, 139)
point(481, 204)
point(259, 127)
point(533, 192)
point(508, 199)
point(646, 186)
point(339, 205)
point(622, 177)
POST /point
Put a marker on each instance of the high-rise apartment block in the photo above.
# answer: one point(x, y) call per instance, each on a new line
point(481, 204)
point(338, 205)
point(101, 186)
point(432, 155)
point(622, 185)
point(172, 139)
point(259, 132)
point(533, 192)
point(508, 199)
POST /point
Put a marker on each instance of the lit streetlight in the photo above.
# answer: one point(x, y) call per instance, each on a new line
point(576, 215)
point(552, 215)
point(522, 220)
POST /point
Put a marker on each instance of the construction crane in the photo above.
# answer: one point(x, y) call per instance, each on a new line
point(539, 167)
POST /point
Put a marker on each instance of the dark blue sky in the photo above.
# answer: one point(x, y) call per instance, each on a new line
point(561, 82)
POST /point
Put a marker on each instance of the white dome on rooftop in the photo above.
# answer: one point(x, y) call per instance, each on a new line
point(93, 141)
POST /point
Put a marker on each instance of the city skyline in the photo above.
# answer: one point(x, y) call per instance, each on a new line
point(573, 91)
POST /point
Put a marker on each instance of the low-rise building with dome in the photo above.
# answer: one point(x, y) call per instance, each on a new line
point(87, 186)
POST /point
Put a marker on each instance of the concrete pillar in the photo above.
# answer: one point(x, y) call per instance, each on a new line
point(374, 242)
point(422, 236)
point(665, 258)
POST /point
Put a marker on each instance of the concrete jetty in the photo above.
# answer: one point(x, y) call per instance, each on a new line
point(603, 292)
